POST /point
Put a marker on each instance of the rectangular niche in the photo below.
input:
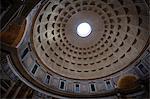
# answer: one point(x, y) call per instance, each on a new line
point(34, 69)
point(62, 84)
point(47, 79)
point(92, 87)
point(24, 53)
point(143, 70)
point(108, 85)
point(147, 59)
point(77, 87)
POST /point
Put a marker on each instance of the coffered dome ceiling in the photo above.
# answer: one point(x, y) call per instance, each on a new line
point(119, 34)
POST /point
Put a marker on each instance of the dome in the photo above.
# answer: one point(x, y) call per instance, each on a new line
point(117, 38)
point(75, 49)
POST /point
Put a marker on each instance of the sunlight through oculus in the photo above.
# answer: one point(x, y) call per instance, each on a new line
point(84, 29)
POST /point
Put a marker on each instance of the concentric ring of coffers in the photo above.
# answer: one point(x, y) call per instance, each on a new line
point(119, 34)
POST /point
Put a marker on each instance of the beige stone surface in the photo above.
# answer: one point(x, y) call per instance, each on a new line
point(119, 34)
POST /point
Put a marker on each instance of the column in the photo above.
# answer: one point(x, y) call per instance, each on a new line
point(17, 91)
point(26, 93)
point(13, 84)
